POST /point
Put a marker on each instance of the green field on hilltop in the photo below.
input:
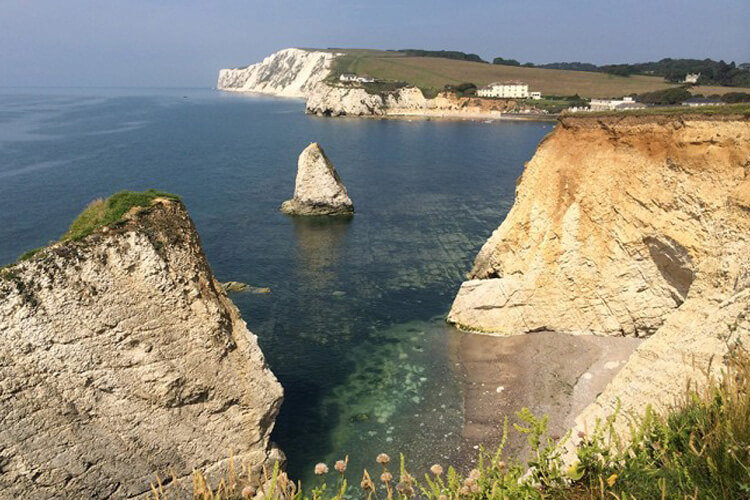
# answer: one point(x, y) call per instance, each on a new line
point(432, 73)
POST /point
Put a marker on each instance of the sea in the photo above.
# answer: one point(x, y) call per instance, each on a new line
point(354, 327)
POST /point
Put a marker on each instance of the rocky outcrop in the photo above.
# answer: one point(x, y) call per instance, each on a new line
point(318, 189)
point(634, 226)
point(326, 99)
point(121, 358)
point(286, 73)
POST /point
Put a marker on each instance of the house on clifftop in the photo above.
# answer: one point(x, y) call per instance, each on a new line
point(505, 90)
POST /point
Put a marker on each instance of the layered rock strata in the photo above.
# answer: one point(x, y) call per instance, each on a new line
point(121, 358)
point(326, 99)
point(635, 226)
point(286, 73)
point(318, 189)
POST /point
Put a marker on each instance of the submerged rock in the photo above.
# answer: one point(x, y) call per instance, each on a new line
point(238, 286)
point(318, 189)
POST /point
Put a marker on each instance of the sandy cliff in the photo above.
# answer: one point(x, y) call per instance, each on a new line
point(121, 358)
point(286, 73)
point(633, 226)
point(345, 100)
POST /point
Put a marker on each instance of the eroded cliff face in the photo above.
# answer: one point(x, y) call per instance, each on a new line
point(347, 100)
point(286, 73)
point(627, 226)
point(122, 358)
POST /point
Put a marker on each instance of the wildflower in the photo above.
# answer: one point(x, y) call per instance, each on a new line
point(436, 469)
point(474, 474)
point(383, 459)
point(501, 465)
point(464, 490)
point(401, 487)
point(442, 497)
point(611, 480)
point(469, 482)
point(367, 483)
point(386, 477)
point(321, 469)
point(248, 492)
point(340, 466)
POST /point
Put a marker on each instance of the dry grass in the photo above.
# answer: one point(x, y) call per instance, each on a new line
point(435, 73)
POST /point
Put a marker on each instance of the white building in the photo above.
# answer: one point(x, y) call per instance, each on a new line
point(692, 77)
point(505, 90)
point(612, 104)
point(352, 78)
point(694, 102)
point(535, 95)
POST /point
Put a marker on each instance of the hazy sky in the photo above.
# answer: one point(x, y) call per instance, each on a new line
point(185, 42)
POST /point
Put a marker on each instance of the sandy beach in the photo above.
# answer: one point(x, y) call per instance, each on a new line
point(550, 373)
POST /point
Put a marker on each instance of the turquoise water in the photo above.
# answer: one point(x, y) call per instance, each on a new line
point(354, 325)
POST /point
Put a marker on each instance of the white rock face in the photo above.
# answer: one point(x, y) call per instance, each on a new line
point(318, 189)
point(121, 358)
point(345, 100)
point(287, 73)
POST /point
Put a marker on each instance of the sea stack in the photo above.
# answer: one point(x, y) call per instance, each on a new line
point(318, 189)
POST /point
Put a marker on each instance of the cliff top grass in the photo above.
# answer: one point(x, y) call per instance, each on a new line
point(433, 73)
point(100, 213)
point(104, 212)
point(708, 111)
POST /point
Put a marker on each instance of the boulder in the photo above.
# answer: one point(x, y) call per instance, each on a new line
point(318, 189)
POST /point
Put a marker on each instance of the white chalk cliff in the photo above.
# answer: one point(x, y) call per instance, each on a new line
point(302, 73)
point(122, 358)
point(326, 99)
point(286, 73)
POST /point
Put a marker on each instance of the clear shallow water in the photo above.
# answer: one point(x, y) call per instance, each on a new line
point(354, 325)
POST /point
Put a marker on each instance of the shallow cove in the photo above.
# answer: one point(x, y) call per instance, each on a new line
point(353, 327)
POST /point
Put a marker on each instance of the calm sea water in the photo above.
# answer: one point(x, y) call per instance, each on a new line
point(354, 325)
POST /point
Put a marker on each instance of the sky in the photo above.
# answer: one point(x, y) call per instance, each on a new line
point(183, 43)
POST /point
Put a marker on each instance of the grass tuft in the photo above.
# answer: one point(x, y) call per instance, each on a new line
point(100, 213)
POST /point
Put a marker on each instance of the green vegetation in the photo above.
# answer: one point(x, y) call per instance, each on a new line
point(572, 66)
point(100, 213)
point(432, 74)
point(742, 109)
point(700, 449)
point(29, 254)
point(506, 62)
point(445, 54)
point(466, 89)
point(557, 104)
point(672, 70)
point(665, 97)
point(735, 97)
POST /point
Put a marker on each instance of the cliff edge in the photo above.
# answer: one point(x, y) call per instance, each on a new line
point(286, 73)
point(121, 358)
point(635, 225)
